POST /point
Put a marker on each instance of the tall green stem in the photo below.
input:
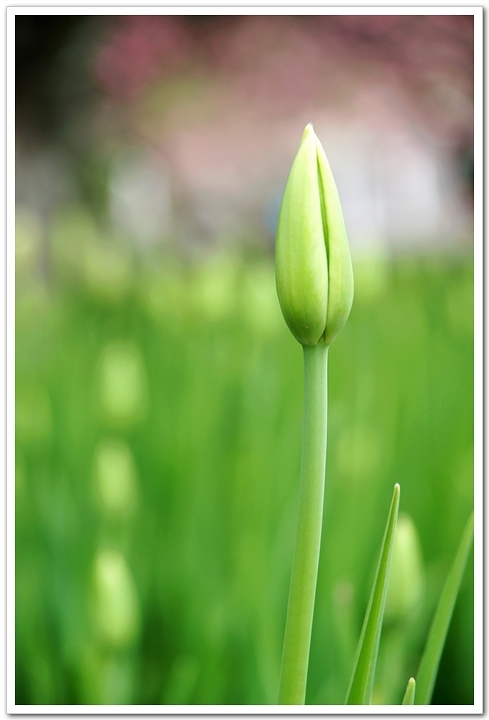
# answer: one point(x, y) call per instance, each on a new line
point(295, 658)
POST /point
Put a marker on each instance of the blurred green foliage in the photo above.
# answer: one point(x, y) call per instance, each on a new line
point(158, 426)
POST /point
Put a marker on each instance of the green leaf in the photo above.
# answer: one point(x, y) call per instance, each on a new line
point(408, 698)
point(361, 684)
point(428, 667)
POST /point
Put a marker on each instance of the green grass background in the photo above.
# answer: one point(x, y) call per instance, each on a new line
point(163, 576)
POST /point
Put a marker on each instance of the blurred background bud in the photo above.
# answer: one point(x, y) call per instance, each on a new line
point(116, 605)
point(123, 388)
point(406, 583)
point(115, 478)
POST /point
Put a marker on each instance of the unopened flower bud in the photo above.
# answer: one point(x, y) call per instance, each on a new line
point(312, 259)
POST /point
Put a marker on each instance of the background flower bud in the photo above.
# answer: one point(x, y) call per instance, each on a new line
point(313, 264)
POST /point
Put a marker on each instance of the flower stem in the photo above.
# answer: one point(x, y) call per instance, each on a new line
point(295, 658)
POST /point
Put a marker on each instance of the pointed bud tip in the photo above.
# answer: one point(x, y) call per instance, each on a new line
point(308, 133)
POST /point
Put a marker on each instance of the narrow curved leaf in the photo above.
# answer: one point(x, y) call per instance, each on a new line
point(430, 660)
point(408, 698)
point(361, 684)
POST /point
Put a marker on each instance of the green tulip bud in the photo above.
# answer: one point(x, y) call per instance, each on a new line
point(312, 258)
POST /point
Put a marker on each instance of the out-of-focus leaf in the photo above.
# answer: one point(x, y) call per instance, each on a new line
point(430, 660)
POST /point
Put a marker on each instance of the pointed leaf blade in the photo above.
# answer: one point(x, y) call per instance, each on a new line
point(361, 684)
point(430, 660)
point(410, 693)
